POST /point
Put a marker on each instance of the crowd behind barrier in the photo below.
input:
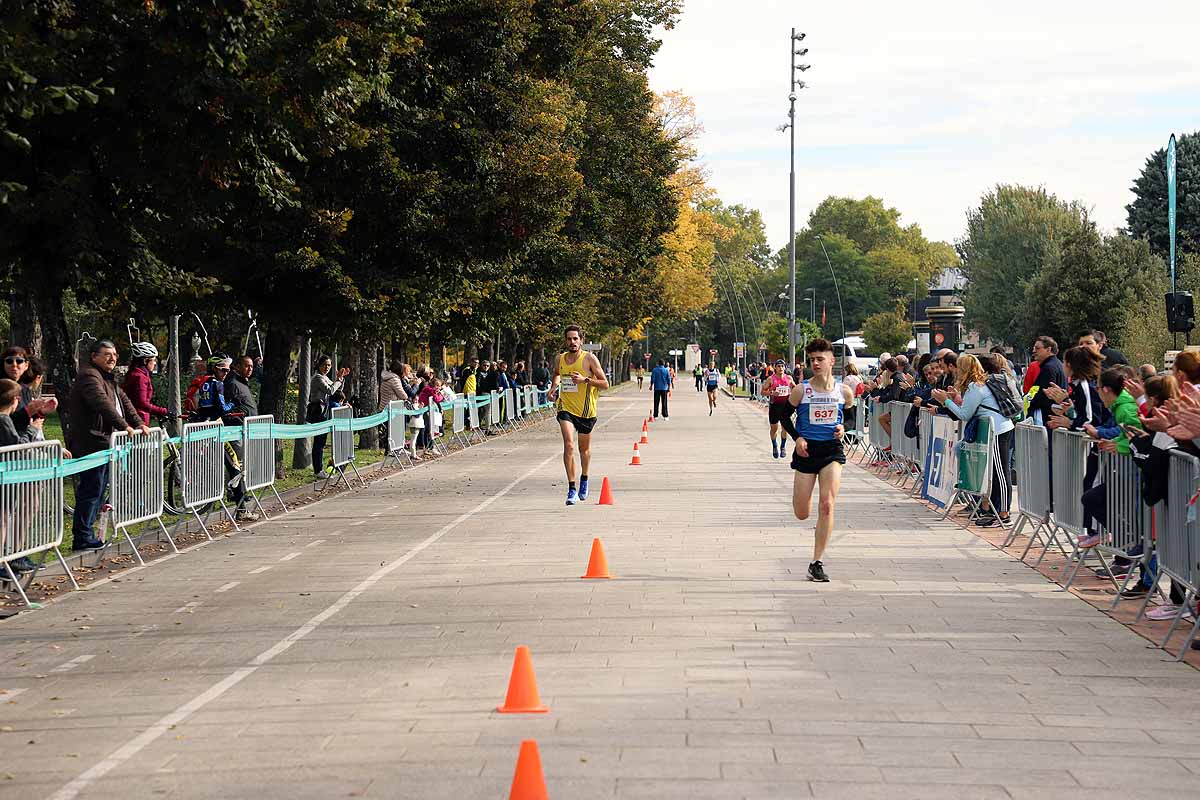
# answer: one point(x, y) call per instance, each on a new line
point(32, 475)
point(1101, 464)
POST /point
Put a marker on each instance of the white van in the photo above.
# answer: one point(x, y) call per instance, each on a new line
point(855, 349)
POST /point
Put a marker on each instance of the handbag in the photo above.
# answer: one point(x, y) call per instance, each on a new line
point(314, 412)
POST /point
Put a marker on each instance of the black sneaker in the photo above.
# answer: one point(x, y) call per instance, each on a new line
point(23, 565)
point(1137, 590)
point(987, 521)
point(816, 572)
point(94, 543)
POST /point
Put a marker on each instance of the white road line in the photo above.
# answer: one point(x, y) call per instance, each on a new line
point(360, 522)
point(376, 514)
point(338, 532)
point(227, 587)
point(188, 607)
point(146, 737)
point(261, 569)
point(72, 664)
point(9, 694)
point(290, 556)
point(314, 543)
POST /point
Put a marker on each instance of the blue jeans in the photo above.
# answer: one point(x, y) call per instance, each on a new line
point(89, 491)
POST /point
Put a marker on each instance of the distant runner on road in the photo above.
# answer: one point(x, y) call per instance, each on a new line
point(779, 388)
point(577, 380)
point(818, 454)
point(712, 379)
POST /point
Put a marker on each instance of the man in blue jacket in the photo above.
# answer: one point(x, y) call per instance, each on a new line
point(660, 382)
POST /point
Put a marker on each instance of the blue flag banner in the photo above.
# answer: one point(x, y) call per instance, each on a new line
point(1171, 203)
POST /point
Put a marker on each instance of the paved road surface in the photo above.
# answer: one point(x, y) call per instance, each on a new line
point(358, 648)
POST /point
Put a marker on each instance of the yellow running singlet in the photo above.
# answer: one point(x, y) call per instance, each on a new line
point(579, 400)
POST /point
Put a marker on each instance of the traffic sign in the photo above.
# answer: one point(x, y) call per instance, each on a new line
point(593, 347)
point(647, 356)
point(712, 352)
point(674, 352)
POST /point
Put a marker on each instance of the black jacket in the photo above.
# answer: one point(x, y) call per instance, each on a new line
point(237, 392)
point(1113, 357)
point(1089, 408)
point(1051, 372)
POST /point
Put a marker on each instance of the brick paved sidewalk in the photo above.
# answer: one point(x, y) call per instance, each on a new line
point(360, 649)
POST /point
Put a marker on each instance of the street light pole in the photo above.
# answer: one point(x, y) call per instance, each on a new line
point(791, 126)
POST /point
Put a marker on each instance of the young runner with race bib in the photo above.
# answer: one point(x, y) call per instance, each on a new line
point(779, 388)
point(712, 379)
point(818, 456)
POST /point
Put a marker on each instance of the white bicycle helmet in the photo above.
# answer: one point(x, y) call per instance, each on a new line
point(144, 350)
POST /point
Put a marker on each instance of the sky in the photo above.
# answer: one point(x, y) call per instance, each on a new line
point(929, 104)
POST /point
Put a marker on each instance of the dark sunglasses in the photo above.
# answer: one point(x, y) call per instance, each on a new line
point(14, 360)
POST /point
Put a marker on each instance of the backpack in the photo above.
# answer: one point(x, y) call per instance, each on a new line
point(1010, 405)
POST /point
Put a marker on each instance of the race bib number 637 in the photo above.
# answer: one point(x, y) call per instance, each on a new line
point(822, 413)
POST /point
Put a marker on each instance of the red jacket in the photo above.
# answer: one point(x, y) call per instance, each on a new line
point(141, 392)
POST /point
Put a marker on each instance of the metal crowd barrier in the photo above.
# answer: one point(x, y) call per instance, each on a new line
point(879, 443)
point(202, 469)
point(135, 480)
point(397, 443)
point(1033, 484)
point(458, 420)
point(510, 407)
point(1128, 523)
point(856, 433)
point(926, 437)
point(494, 418)
point(258, 459)
point(1068, 456)
point(31, 511)
point(473, 405)
point(905, 450)
point(1178, 545)
point(343, 447)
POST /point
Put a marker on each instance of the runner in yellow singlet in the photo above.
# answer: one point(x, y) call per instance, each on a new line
point(577, 380)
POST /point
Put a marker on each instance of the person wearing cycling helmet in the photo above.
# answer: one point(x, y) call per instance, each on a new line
point(210, 399)
point(138, 384)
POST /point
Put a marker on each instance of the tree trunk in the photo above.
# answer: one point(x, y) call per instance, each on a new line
point(276, 366)
point(24, 327)
point(302, 453)
point(58, 348)
point(368, 394)
point(174, 377)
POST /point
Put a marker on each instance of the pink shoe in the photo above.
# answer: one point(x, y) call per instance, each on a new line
point(1088, 542)
point(1162, 612)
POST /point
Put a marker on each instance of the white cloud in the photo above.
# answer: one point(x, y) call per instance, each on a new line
point(929, 104)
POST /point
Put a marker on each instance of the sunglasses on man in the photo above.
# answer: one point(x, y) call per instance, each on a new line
point(14, 360)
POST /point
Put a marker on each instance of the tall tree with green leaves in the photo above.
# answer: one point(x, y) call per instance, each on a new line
point(1147, 214)
point(1009, 237)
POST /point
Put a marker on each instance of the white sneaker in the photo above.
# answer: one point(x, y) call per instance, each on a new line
point(1167, 611)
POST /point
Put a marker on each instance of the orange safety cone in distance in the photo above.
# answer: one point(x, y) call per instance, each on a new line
point(597, 563)
point(528, 781)
point(644, 439)
point(522, 695)
point(606, 497)
point(637, 458)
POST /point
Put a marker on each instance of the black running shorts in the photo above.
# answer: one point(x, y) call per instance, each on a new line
point(778, 412)
point(820, 455)
point(583, 425)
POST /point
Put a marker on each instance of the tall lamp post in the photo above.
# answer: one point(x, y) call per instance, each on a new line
point(790, 125)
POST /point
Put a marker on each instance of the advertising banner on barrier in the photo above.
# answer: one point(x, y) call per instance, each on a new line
point(941, 467)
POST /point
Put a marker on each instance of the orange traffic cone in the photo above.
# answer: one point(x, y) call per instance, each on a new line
point(522, 695)
point(528, 781)
point(597, 563)
point(644, 433)
point(637, 458)
point(606, 498)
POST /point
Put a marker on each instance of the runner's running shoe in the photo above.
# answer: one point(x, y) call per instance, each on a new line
point(816, 572)
point(582, 489)
point(774, 449)
point(572, 497)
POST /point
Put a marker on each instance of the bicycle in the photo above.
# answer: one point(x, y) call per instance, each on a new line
point(173, 496)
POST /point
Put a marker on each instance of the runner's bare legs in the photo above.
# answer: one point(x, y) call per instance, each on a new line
point(585, 453)
point(830, 479)
point(568, 435)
